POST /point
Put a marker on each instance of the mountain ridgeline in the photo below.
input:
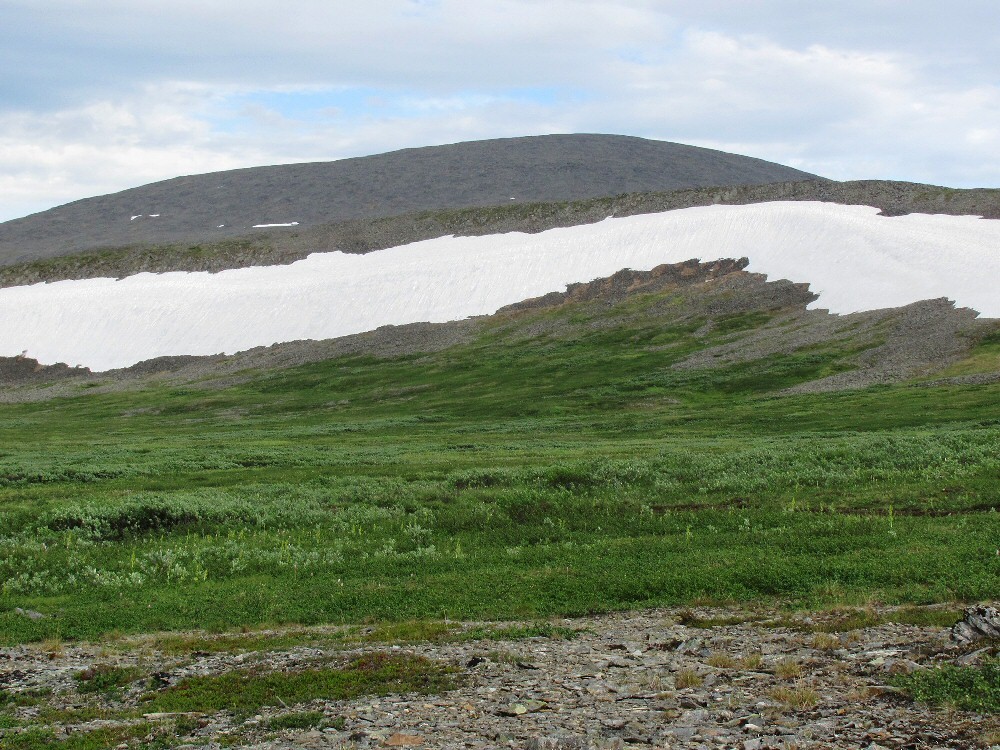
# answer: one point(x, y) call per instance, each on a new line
point(287, 245)
point(224, 205)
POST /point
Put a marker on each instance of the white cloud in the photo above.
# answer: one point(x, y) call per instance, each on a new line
point(97, 100)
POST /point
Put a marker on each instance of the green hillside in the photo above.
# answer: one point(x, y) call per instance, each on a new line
point(566, 458)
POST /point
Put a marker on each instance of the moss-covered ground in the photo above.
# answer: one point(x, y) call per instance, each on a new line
point(518, 476)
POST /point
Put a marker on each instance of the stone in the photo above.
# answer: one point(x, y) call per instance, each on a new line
point(574, 699)
point(973, 658)
point(514, 709)
point(693, 717)
point(403, 740)
point(976, 623)
point(900, 666)
point(557, 743)
point(682, 733)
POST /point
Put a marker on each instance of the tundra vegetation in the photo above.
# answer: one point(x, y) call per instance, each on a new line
point(511, 477)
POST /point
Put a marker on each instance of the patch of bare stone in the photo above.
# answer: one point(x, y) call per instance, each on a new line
point(702, 678)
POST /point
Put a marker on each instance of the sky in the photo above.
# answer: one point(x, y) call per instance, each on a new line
point(101, 95)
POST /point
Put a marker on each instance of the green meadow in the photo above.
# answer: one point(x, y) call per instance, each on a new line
point(513, 476)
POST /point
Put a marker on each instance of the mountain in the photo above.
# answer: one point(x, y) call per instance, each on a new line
point(269, 247)
point(221, 205)
point(853, 241)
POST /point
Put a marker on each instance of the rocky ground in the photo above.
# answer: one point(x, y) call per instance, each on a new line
point(702, 678)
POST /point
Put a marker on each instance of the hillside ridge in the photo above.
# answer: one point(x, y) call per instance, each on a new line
point(733, 319)
point(368, 235)
point(223, 205)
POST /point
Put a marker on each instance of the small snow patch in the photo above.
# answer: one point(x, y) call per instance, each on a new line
point(267, 226)
point(137, 216)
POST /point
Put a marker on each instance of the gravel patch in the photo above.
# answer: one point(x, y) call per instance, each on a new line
point(759, 678)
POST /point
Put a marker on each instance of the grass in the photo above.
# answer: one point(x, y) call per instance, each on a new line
point(245, 693)
point(554, 466)
point(687, 678)
point(798, 697)
point(37, 738)
point(787, 669)
point(689, 619)
point(845, 620)
point(521, 632)
point(23, 697)
point(722, 661)
point(410, 631)
point(984, 358)
point(304, 720)
point(825, 642)
point(105, 679)
point(237, 643)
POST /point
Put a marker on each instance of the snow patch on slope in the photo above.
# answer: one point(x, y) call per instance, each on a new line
point(855, 259)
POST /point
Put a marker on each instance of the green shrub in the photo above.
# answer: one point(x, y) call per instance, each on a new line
point(969, 688)
point(104, 678)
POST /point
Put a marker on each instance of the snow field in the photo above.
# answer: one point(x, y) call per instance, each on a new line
point(855, 259)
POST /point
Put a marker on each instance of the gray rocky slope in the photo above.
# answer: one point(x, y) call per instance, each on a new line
point(278, 246)
point(220, 205)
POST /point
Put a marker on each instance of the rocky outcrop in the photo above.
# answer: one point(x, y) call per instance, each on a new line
point(890, 345)
point(22, 370)
point(977, 623)
point(622, 284)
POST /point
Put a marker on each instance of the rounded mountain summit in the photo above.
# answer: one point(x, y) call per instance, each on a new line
point(546, 168)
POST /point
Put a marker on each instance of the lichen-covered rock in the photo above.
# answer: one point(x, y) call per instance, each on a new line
point(977, 623)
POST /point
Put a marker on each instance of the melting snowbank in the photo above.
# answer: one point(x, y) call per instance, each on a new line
point(855, 259)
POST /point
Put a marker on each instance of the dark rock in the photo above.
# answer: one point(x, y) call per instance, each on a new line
point(557, 743)
point(974, 657)
point(976, 623)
